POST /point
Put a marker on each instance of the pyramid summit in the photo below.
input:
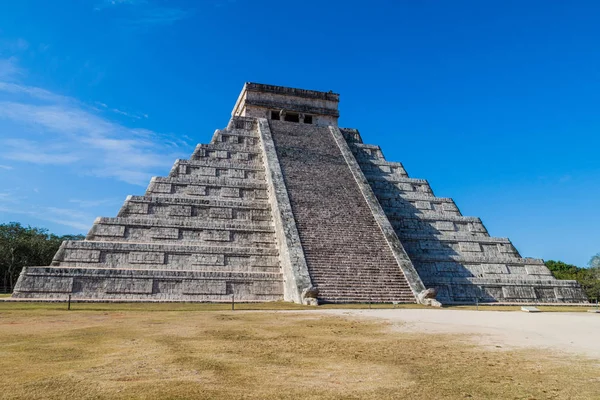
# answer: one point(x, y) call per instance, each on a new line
point(285, 205)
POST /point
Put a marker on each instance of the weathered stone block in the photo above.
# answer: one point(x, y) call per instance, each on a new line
point(109, 230)
point(230, 192)
point(208, 259)
point(52, 285)
point(92, 256)
point(164, 233)
point(180, 211)
point(221, 213)
point(195, 190)
point(206, 171)
point(160, 187)
point(494, 269)
point(519, 292)
point(237, 173)
point(445, 225)
point(216, 236)
point(204, 287)
point(128, 286)
point(146, 257)
point(537, 270)
point(469, 246)
point(137, 208)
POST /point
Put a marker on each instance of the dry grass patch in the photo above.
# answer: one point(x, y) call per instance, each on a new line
point(262, 355)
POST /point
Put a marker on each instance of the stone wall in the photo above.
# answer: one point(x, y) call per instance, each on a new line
point(451, 252)
point(202, 233)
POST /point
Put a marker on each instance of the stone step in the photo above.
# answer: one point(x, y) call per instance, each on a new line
point(197, 201)
point(455, 238)
point(180, 169)
point(476, 258)
point(410, 211)
point(400, 206)
point(230, 147)
point(242, 123)
point(256, 165)
point(363, 300)
point(130, 255)
point(387, 189)
point(183, 222)
point(435, 218)
point(166, 248)
point(218, 190)
point(413, 196)
point(207, 232)
point(379, 162)
point(239, 137)
point(194, 208)
point(156, 273)
point(147, 285)
point(438, 224)
point(227, 151)
point(212, 181)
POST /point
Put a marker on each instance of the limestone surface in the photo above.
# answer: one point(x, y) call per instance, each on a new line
point(284, 205)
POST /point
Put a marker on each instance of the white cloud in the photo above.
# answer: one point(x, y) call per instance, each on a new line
point(96, 202)
point(62, 131)
point(6, 167)
point(143, 14)
point(13, 45)
point(9, 69)
point(67, 217)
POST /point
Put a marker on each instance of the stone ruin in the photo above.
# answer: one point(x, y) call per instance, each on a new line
point(285, 205)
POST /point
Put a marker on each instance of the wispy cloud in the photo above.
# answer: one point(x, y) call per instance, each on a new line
point(96, 202)
point(62, 131)
point(13, 45)
point(6, 167)
point(121, 112)
point(68, 217)
point(9, 70)
point(142, 14)
point(114, 3)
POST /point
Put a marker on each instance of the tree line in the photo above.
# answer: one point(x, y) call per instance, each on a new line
point(22, 246)
point(588, 278)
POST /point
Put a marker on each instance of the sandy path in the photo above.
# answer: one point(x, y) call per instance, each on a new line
point(577, 333)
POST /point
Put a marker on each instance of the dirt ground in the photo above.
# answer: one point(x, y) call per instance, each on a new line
point(145, 352)
point(576, 333)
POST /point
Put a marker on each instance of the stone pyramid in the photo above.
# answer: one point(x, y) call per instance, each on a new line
point(285, 205)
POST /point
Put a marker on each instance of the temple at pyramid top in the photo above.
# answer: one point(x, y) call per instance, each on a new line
point(287, 104)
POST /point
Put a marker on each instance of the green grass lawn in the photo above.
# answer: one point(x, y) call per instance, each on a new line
point(138, 351)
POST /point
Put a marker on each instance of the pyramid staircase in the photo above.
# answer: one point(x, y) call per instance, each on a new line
point(346, 253)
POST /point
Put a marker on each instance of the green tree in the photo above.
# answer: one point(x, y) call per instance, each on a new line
point(588, 278)
point(595, 261)
point(25, 246)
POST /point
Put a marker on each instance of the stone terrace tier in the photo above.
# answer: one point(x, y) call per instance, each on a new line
point(451, 252)
point(202, 233)
point(346, 253)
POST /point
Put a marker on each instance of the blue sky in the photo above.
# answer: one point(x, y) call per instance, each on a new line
point(496, 103)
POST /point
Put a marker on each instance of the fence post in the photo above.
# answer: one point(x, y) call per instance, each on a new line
point(69, 303)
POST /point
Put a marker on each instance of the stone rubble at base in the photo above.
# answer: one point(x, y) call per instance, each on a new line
point(284, 205)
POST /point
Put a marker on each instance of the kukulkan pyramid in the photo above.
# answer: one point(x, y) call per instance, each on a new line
point(285, 205)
